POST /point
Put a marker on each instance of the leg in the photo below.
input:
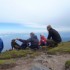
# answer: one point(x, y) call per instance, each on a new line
point(15, 45)
point(37, 46)
point(42, 44)
point(51, 43)
point(24, 46)
point(34, 47)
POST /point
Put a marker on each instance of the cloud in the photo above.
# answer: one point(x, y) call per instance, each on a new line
point(35, 15)
point(32, 11)
point(33, 25)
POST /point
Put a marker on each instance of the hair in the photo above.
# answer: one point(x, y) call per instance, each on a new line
point(31, 33)
point(49, 27)
point(41, 34)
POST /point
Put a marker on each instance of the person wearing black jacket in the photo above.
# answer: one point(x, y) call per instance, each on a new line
point(33, 40)
point(15, 45)
point(54, 37)
point(32, 43)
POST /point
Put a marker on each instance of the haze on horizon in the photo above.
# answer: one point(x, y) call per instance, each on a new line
point(17, 16)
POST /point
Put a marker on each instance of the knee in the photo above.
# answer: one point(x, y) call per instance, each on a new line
point(13, 42)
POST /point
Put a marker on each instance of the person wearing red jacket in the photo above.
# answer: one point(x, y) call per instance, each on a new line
point(43, 40)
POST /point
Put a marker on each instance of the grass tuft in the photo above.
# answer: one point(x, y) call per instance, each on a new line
point(67, 65)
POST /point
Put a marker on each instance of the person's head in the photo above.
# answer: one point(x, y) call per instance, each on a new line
point(31, 34)
point(41, 36)
point(49, 27)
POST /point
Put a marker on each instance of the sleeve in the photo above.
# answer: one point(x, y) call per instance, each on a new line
point(21, 40)
point(29, 40)
point(49, 36)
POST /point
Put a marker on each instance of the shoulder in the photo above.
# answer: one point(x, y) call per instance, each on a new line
point(35, 36)
point(52, 30)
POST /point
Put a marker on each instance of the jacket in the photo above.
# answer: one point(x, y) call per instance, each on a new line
point(54, 35)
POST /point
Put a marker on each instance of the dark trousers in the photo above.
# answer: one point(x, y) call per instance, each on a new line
point(42, 44)
point(51, 43)
point(17, 46)
point(32, 46)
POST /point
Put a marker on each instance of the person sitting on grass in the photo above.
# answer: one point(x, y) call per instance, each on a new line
point(43, 40)
point(53, 38)
point(15, 45)
point(33, 40)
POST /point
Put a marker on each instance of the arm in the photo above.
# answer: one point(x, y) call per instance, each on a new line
point(49, 36)
point(40, 42)
point(29, 40)
point(21, 40)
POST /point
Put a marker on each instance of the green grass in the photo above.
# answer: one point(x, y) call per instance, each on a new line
point(62, 48)
point(6, 61)
point(16, 54)
point(67, 64)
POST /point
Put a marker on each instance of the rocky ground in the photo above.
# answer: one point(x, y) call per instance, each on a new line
point(42, 62)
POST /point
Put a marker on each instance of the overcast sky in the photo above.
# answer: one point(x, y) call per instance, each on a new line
point(34, 15)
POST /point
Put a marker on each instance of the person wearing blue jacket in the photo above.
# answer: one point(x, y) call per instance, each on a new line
point(1, 45)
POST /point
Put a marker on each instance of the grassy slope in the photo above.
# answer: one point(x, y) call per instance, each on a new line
point(17, 53)
point(6, 60)
point(62, 48)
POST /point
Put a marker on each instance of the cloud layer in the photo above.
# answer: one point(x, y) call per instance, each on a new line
point(36, 14)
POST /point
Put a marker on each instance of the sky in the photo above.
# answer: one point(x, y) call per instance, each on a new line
point(23, 16)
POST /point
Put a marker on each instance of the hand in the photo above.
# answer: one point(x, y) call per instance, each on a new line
point(17, 39)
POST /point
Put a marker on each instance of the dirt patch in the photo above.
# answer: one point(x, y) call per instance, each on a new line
point(53, 62)
point(7, 66)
